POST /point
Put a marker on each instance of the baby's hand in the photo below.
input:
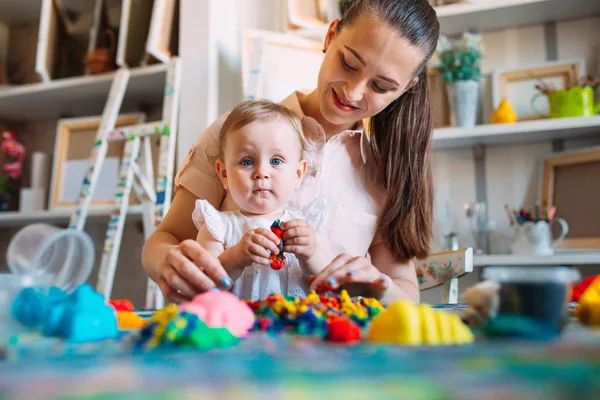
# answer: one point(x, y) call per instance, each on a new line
point(299, 238)
point(257, 245)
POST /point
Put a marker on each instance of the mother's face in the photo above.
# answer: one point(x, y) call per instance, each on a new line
point(367, 66)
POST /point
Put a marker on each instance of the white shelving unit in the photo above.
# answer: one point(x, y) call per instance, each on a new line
point(79, 96)
point(497, 14)
point(567, 259)
point(528, 131)
point(17, 219)
point(474, 6)
point(69, 97)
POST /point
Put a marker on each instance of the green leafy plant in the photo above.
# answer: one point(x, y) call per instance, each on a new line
point(5, 186)
point(459, 60)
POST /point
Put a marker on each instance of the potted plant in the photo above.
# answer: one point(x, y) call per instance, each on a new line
point(12, 154)
point(459, 69)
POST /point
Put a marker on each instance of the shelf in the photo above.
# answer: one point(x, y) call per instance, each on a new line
point(81, 96)
point(489, 15)
point(474, 6)
point(565, 258)
point(14, 12)
point(14, 219)
point(528, 131)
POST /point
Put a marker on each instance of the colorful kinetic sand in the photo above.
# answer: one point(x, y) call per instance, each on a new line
point(313, 314)
point(333, 317)
point(210, 320)
point(218, 319)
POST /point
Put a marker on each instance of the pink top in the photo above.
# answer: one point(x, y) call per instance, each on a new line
point(342, 169)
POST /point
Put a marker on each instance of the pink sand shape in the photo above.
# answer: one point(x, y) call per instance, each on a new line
point(222, 310)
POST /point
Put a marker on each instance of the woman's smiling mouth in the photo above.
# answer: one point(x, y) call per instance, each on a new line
point(342, 103)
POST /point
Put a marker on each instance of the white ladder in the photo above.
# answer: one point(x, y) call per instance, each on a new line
point(156, 200)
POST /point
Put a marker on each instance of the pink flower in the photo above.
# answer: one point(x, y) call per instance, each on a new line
point(13, 169)
point(13, 149)
point(11, 146)
point(8, 135)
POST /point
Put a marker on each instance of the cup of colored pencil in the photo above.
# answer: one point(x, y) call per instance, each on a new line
point(521, 216)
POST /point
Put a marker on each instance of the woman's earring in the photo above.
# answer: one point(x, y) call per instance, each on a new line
point(323, 51)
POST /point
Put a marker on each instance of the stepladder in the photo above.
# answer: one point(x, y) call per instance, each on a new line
point(156, 197)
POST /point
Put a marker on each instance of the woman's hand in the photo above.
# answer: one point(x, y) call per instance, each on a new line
point(256, 246)
point(345, 269)
point(299, 238)
point(187, 270)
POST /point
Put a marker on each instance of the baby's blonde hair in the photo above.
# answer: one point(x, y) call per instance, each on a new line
point(262, 110)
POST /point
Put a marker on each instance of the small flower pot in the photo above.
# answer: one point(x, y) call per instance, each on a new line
point(463, 97)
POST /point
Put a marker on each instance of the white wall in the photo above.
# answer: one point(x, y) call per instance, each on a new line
point(210, 46)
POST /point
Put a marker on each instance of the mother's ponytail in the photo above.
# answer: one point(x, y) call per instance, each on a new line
point(402, 142)
point(402, 132)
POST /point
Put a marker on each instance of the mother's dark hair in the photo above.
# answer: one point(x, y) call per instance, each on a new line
point(403, 130)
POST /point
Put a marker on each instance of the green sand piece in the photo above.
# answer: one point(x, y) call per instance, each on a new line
point(207, 338)
point(517, 326)
point(188, 330)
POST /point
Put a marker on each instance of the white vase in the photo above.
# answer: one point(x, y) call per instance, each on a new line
point(463, 97)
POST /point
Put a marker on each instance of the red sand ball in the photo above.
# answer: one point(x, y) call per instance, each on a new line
point(121, 305)
point(342, 330)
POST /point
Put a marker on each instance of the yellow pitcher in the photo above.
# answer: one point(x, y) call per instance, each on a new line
point(575, 102)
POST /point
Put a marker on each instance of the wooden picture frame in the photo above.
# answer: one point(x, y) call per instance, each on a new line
point(440, 105)
point(570, 183)
point(564, 72)
point(305, 14)
point(75, 138)
point(163, 31)
point(3, 75)
point(290, 62)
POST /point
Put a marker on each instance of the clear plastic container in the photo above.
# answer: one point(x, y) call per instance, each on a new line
point(532, 274)
point(540, 293)
point(10, 286)
point(52, 256)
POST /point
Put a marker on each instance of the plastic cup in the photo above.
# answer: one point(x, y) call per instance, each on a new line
point(57, 257)
point(539, 293)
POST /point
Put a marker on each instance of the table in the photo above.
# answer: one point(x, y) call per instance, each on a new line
point(285, 367)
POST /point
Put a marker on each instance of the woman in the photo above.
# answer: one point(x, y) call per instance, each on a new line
point(377, 179)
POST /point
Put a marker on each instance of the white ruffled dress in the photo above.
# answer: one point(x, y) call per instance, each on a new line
point(259, 281)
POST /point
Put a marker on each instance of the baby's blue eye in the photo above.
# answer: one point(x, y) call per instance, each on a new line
point(247, 163)
point(276, 161)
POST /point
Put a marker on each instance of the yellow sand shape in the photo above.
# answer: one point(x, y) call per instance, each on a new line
point(409, 324)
